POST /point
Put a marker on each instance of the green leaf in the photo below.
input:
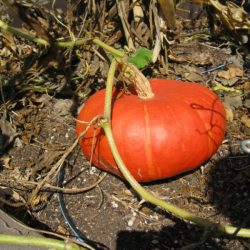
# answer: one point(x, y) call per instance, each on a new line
point(141, 58)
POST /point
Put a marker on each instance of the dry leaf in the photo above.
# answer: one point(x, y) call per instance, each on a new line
point(246, 87)
point(189, 73)
point(177, 58)
point(231, 73)
point(202, 58)
point(36, 200)
point(197, 57)
point(39, 199)
point(9, 41)
point(247, 103)
point(231, 15)
point(245, 120)
point(17, 197)
point(193, 77)
point(233, 101)
point(5, 159)
point(6, 191)
point(7, 134)
point(229, 114)
point(229, 82)
point(62, 230)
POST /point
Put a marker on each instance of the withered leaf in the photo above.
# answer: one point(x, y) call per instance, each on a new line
point(231, 73)
point(233, 100)
point(229, 114)
point(7, 134)
point(245, 120)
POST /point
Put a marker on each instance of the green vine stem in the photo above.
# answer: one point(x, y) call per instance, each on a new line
point(7, 28)
point(21, 240)
point(145, 195)
point(108, 94)
point(110, 49)
point(227, 89)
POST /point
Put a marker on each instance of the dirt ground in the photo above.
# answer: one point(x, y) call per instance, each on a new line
point(110, 214)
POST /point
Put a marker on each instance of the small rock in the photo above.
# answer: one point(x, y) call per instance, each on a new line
point(155, 242)
point(131, 222)
point(114, 204)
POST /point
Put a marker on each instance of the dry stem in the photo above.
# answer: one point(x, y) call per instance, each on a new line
point(55, 168)
point(131, 74)
point(125, 25)
point(44, 231)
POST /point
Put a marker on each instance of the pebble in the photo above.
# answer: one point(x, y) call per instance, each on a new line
point(114, 204)
point(131, 222)
point(155, 242)
point(92, 170)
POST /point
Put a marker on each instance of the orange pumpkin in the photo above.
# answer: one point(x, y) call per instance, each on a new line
point(177, 130)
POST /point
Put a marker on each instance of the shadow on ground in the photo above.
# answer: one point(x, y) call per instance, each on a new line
point(181, 236)
point(228, 190)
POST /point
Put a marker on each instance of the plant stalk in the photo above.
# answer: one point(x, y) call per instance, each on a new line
point(40, 41)
point(108, 95)
point(7, 28)
point(108, 48)
point(22, 240)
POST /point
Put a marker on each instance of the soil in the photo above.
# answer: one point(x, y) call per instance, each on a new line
point(111, 215)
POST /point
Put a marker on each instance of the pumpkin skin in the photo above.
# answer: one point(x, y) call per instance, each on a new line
point(178, 129)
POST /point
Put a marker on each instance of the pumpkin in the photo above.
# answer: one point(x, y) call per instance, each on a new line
point(175, 131)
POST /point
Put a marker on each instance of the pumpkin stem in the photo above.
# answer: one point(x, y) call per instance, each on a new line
point(132, 75)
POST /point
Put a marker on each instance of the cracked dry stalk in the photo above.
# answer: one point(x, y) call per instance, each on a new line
point(168, 11)
point(137, 11)
point(132, 75)
point(125, 25)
